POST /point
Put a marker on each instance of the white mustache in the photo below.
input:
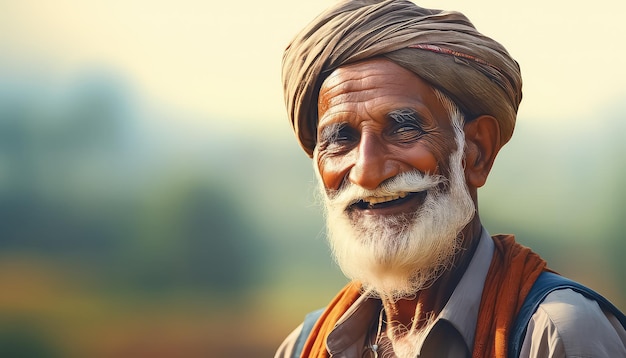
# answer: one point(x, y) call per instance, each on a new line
point(403, 183)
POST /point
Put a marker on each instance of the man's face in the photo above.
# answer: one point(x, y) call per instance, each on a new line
point(389, 161)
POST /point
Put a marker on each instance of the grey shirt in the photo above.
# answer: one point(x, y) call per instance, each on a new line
point(566, 324)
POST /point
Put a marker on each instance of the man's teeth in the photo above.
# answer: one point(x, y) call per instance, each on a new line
point(382, 199)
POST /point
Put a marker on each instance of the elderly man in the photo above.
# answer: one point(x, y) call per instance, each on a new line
point(403, 110)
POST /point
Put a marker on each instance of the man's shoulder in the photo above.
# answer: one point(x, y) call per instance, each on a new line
point(568, 323)
point(566, 309)
point(288, 348)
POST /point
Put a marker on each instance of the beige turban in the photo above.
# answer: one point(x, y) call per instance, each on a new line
point(441, 47)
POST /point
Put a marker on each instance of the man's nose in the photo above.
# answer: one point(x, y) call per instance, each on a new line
point(373, 165)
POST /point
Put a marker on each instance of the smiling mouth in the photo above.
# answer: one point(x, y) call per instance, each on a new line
point(381, 202)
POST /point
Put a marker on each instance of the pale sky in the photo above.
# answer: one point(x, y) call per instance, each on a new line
point(221, 59)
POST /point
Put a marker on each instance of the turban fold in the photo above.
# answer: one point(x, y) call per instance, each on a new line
point(442, 47)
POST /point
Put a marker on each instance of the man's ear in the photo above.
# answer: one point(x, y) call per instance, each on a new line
point(482, 137)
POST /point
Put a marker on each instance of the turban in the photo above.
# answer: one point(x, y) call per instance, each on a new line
point(441, 47)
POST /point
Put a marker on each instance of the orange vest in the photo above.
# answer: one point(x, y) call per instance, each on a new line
point(514, 268)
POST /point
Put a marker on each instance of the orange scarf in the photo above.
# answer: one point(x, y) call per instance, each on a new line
point(513, 271)
point(514, 268)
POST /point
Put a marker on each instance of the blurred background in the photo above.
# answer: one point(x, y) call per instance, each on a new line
point(154, 203)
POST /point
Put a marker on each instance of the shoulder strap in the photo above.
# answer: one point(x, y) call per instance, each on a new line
point(545, 284)
point(309, 321)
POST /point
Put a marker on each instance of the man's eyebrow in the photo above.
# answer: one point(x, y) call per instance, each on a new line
point(331, 131)
point(404, 115)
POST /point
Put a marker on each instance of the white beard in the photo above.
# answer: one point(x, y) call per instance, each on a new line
point(396, 256)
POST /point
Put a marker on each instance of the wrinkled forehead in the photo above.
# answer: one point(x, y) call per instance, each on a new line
point(378, 85)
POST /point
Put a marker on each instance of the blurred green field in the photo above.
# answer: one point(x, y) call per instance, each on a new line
point(52, 309)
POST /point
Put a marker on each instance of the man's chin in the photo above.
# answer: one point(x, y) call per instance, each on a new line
point(391, 272)
point(392, 260)
point(396, 284)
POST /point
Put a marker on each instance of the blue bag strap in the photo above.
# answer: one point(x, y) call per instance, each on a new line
point(545, 284)
point(307, 326)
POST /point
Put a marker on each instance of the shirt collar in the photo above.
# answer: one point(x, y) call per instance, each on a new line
point(353, 324)
point(462, 307)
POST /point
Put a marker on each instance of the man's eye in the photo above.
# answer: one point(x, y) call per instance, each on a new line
point(338, 137)
point(343, 135)
point(407, 132)
point(406, 129)
point(405, 125)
